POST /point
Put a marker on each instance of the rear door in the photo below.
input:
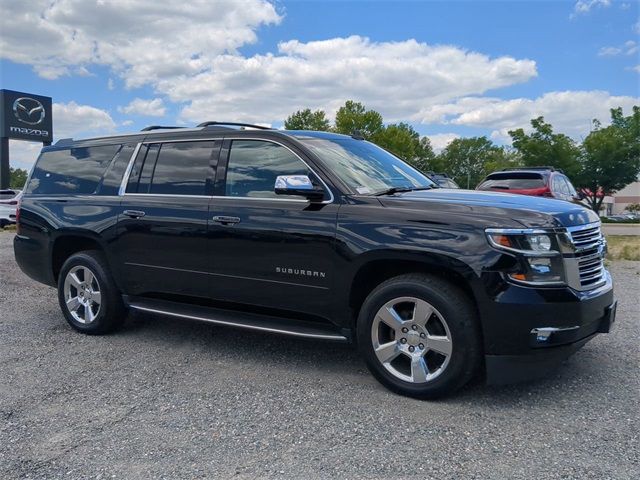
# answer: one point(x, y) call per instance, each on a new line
point(161, 241)
point(270, 250)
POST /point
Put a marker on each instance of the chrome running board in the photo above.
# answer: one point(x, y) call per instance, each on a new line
point(232, 318)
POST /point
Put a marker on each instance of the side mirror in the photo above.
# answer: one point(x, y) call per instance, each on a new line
point(298, 185)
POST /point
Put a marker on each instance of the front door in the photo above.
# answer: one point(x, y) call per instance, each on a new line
point(162, 245)
point(270, 250)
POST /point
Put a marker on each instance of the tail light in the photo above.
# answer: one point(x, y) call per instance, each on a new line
point(19, 204)
point(547, 193)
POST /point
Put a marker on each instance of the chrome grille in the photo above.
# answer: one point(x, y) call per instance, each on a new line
point(589, 245)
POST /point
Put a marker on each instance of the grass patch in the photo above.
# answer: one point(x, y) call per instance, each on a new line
point(8, 228)
point(624, 247)
point(626, 221)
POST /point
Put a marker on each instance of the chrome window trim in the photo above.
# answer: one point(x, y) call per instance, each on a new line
point(127, 172)
point(125, 179)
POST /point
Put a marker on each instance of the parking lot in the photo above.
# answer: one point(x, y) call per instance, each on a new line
point(169, 399)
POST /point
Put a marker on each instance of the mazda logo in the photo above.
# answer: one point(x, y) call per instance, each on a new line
point(28, 110)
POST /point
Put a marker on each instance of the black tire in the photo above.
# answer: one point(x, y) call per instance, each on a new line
point(110, 313)
point(460, 316)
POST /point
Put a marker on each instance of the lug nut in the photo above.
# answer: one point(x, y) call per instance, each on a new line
point(415, 327)
point(423, 335)
point(405, 329)
point(421, 346)
point(403, 340)
point(412, 348)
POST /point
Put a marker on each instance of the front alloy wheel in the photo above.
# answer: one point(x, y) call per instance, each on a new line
point(419, 335)
point(411, 339)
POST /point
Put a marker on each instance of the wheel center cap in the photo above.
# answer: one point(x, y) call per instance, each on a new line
point(413, 338)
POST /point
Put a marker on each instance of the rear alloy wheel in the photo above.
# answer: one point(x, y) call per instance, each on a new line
point(82, 294)
point(87, 294)
point(419, 335)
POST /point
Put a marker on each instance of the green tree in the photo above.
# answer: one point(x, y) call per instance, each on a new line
point(307, 120)
point(467, 159)
point(610, 157)
point(542, 147)
point(18, 177)
point(353, 116)
point(403, 141)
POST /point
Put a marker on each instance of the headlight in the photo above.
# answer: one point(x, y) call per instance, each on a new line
point(537, 252)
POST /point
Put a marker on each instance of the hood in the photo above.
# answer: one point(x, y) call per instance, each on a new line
point(530, 212)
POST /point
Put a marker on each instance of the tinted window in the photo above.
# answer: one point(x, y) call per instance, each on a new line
point(72, 171)
point(560, 186)
point(8, 194)
point(113, 176)
point(513, 181)
point(254, 166)
point(572, 190)
point(178, 168)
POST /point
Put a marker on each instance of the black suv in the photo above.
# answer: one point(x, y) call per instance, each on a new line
point(315, 235)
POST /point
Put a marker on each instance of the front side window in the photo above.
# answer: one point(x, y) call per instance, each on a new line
point(255, 164)
point(364, 167)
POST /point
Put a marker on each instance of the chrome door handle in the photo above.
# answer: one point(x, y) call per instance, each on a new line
point(224, 220)
point(134, 213)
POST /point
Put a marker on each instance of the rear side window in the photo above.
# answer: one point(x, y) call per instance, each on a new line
point(174, 168)
point(71, 171)
point(513, 181)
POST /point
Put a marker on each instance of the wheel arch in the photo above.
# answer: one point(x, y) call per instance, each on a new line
point(66, 243)
point(372, 270)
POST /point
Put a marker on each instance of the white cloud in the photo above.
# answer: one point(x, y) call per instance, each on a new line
point(395, 78)
point(141, 40)
point(111, 84)
point(635, 68)
point(585, 6)
point(145, 107)
point(636, 27)
point(629, 48)
point(440, 140)
point(74, 120)
point(569, 112)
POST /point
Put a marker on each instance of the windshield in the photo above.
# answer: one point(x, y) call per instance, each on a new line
point(366, 168)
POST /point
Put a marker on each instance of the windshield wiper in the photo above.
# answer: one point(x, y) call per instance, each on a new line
point(392, 190)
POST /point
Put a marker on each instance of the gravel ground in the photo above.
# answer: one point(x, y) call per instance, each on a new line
point(169, 399)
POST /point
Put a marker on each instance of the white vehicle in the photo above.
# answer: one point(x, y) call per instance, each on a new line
point(8, 204)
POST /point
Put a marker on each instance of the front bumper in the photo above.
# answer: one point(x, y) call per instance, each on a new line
point(528, 331)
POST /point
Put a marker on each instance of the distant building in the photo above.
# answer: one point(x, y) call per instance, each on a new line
point(618, 202)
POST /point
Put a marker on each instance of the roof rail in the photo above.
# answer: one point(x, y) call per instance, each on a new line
point(157, 127)
point(553, 169)
point(235, 124)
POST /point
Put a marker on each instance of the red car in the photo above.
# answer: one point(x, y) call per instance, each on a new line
point(534, 181)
